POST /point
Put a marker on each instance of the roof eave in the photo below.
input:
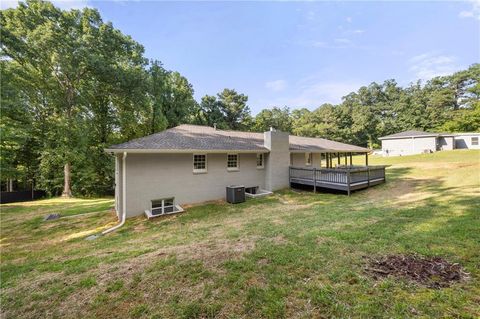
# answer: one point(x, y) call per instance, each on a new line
point(329, 151)
point(409, 136)
point(173, 151)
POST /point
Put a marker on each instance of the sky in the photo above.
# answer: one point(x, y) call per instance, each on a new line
point(298, 54)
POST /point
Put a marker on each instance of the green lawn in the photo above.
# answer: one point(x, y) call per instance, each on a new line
point(294, 254)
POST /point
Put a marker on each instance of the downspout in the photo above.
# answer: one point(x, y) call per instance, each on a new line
point(124, 196)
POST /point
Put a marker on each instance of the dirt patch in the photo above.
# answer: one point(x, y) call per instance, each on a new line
point(433, 272)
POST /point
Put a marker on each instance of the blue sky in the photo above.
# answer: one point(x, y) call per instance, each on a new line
point(299, 54)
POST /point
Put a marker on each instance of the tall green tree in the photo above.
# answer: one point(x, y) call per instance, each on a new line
point(278, 118)
point(67, 59)
point(210, 113)
point(234, 109)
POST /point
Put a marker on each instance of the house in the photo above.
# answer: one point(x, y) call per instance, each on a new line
point(467, 140)
point(191, 164)
point(417, 142)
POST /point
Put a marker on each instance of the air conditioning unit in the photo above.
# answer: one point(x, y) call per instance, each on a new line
point(235, 194)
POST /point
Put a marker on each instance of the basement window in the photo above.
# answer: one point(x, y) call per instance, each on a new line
point(199, 163)
point(232, 162)
point(474, 140)
point(308, 159)
point(163, 206)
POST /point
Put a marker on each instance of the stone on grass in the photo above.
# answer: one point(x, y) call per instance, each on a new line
point(51, 217)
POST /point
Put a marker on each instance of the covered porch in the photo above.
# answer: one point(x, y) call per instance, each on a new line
point(334, 169)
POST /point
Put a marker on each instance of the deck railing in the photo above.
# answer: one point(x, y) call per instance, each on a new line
point(346, 178)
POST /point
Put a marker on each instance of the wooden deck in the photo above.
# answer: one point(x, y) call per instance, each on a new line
point(344, 178)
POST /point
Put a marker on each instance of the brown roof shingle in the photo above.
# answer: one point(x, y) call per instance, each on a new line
point(195, 137)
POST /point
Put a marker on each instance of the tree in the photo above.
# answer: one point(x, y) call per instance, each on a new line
point(276, 117)
point(179, 103)
point(18, 146)
point(210, 113)
point(157, 93)
point(71, 66)
point(234, 109)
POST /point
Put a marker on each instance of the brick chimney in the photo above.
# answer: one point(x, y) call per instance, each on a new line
point(277, 162)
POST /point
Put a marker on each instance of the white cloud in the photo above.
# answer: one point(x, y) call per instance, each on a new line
point(342, 41)
point(349, 19)
point(474, 12)
point(428, 65)
point(358, 31)
point(277, 85)
point(62, 4)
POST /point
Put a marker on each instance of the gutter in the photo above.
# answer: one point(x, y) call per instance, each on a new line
point(175, 151)
point(124, 197)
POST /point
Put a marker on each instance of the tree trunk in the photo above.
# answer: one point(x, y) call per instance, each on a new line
point(66, 185)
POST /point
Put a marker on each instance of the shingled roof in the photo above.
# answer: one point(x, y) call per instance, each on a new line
point(204, 138)
point(413, 133)
point(314, 144)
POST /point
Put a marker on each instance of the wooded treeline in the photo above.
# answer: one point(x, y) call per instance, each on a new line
point(72, 84)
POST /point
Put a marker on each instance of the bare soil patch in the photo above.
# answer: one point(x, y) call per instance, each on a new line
point(433, 272)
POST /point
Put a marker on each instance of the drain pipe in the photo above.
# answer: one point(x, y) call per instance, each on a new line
point(124, 196)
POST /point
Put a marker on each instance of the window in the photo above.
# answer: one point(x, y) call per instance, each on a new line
point(474, 140)
point(260, 161)
point(199, 163)
point(163, 206)
point(232, 162)
point(308, 159)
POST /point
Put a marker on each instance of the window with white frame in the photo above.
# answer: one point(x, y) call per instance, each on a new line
point(199, 163)
point(308, 159)
point(260, 163)
point(474, 140)
point(232, 162)
point(163, 206)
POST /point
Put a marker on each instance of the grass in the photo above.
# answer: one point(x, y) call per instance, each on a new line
point(293, 254)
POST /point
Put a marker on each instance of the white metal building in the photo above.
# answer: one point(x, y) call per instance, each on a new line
point(418, 142)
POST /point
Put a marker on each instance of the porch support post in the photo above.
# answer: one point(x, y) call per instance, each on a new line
point(350, 158)
point(366, 159)
point(348, 182)
point(345, 158)
point(338, 158)
point(368, 176)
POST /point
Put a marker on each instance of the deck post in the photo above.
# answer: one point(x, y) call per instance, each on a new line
point(366, 159)
point(338, 158)
point(345, 158)
point(368, 176)
point(350, 158)
point(289, 176)
point(314, 180)
point(348, 182)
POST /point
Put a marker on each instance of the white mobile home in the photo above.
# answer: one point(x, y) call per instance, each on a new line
point(417, 142)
